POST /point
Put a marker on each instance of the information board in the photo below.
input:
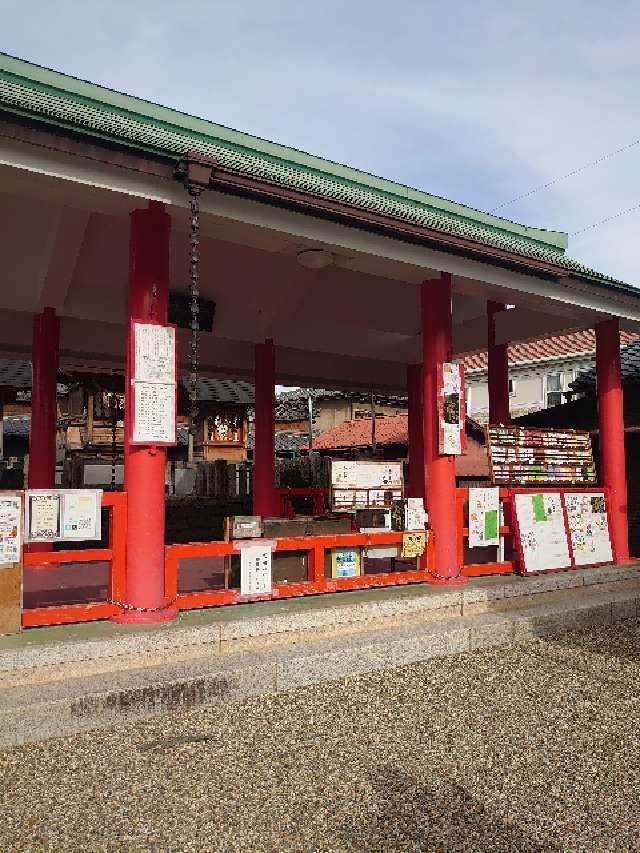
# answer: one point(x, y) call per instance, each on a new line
point(10, 528)
point(365, 484)
point(153, 384)
point(154, 353)
point(588, 525)
point(541, 534)
point(520, 455)
point(154, 413)
point(451, 409)
point(62, 515)
point(10, 562)
point(484, 517)
point(345, 562)
point(255, 568)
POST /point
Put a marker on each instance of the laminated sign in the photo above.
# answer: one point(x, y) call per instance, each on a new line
point(451, 410)
point(484, 517)
point(255, 568)
point(413, 544)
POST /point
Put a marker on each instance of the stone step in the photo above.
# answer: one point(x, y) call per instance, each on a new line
point(35, 711)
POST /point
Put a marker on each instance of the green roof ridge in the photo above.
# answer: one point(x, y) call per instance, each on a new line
point(29, 89)
point(97, 94)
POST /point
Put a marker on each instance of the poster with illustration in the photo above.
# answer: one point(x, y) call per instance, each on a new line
point(10, 529)
point(588, 523)
point(544, 545)
point(484, 517)
point(451, 409)
point(345, 562)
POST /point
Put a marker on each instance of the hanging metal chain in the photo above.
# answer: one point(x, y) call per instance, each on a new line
point(194, 292)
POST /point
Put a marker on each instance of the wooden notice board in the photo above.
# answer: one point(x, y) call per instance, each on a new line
point(11, 515)
point(523, 456)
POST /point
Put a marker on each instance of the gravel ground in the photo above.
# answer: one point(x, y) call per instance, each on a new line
point(525, 749)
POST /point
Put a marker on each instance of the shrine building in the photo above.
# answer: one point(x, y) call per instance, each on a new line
point(322, 276)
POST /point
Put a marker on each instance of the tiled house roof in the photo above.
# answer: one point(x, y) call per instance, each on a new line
point(53, 99)
point(570, 345)
point(394, 429)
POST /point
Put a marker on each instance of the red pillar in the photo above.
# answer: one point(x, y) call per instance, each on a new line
point(611, 429)
point(415, 416)
point(498, 359)
point(265, 497)
point(440, 486)
point(44, 415)
point(144, 467)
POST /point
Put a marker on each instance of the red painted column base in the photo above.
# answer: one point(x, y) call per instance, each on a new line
point(144, 617)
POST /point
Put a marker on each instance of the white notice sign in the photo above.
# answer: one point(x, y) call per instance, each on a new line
point(43, 516)
point(416, 518)
point(484, 517)
point(589, 527)
point(81, 514)
point(154, 413)
point(155, 353)
point(543, 536)
point(255, 569)
point(10, 529)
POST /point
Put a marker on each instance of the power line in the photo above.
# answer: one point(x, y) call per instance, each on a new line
point(570, 174)
point(605, 220)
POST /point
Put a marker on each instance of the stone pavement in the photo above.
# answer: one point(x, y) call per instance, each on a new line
point(534, 747)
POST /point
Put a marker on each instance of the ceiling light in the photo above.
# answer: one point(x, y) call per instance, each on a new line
point(315, 259)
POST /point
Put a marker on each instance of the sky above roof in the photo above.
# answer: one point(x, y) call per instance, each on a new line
point(474, 102)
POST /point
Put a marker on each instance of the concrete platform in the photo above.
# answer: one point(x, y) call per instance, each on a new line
point(57, 681)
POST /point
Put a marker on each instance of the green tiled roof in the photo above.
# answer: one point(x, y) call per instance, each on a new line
point(58, 99)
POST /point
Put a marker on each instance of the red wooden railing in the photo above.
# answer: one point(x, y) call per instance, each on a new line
point(315, 546)
point(478, 569)
point(114, 554)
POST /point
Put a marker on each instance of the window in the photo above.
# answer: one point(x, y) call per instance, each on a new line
point(512, 387)
point(553, 389)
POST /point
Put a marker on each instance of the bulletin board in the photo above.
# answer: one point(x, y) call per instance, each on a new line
point(366, 484)
point(561, 529)
point(540, 456)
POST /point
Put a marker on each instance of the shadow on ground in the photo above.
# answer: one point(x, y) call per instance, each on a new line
point(412, 816)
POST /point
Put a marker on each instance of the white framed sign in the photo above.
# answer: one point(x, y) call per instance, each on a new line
point(81, 516)
point(484, 517)
point(255, 567)
point(154, 354)
point(154, 413)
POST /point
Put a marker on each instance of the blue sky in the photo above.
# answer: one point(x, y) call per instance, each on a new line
point(476, 102)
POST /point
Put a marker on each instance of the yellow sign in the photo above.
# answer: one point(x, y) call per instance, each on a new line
point(413, 544)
